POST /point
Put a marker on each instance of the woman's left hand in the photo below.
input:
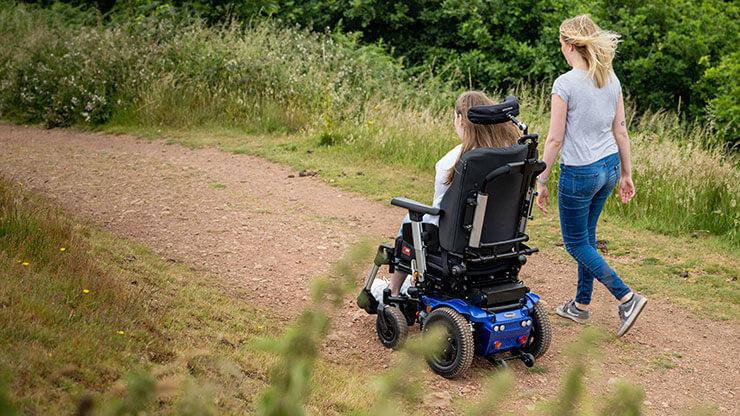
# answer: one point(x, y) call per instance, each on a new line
point(626, 189)
point(543, 197)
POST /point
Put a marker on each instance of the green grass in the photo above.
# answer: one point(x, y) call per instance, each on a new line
point(62, 314)
point(538, 369)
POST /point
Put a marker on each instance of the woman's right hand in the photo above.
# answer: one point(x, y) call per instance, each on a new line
point(626, 189)
point(543, 197)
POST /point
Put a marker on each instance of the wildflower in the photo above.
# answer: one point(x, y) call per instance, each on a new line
point(376, 107)
point(259, 327)
point(20, 184)
point(120, 332)
point(365, 124)
point(25, 263)
point(19, 261)
point(62, 249)
point(371, 122)
point(85, 291)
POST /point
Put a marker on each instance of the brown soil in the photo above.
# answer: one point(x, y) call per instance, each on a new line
point(270, 233)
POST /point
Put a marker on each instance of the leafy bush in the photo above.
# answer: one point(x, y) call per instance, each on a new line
point(725, 106)
point(667, 44)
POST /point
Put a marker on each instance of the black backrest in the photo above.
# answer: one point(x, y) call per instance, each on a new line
point(504, 197)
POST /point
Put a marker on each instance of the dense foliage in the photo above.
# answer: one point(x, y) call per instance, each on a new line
point(672, 55)
point(675, 54)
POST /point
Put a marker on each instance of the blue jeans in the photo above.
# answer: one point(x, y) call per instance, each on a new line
point(582, 192)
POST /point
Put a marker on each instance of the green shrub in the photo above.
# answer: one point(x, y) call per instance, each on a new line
point(725, 106)
point(495, 44)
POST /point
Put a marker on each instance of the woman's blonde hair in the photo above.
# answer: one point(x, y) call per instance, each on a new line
point(596, 46)
point(480, 135)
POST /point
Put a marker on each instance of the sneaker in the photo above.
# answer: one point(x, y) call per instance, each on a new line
point(629, 311)
point(570, 311)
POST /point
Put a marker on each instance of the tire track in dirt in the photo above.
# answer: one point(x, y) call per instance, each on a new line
point(243, 219)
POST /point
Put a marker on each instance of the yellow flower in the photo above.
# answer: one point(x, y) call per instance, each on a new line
point(365, 124)
point(85, 291)
point(19, 261)
point(25, 263)
point(376, 107)
point(371, 122)
point(120, 332)
point(259, 327)
point(62, 249)
point(20, 184)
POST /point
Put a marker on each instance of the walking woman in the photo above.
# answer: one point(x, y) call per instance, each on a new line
point(587, 127)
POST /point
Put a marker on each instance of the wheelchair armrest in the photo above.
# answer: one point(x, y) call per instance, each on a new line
point(415, 208)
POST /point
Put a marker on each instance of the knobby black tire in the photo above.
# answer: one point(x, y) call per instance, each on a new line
point(397, 329)
point(461, 334)
point(541, 334)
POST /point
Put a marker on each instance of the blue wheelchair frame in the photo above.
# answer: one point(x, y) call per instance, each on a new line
point(486, 338)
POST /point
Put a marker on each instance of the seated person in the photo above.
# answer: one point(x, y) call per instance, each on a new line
point(472, 137)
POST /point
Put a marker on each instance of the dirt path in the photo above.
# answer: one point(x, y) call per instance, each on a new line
point(247, 221)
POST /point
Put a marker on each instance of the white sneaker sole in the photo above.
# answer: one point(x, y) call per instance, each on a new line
point(626, 325)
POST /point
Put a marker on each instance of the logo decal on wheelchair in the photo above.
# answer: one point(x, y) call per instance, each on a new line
point(509, 315)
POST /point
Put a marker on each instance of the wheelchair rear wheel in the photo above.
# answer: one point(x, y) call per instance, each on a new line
point(391, 326)
point(457, 347)
point(541, 334)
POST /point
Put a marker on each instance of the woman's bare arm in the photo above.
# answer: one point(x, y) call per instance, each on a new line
point(619, 128)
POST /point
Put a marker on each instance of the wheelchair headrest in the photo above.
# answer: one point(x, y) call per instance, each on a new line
point(494, 114)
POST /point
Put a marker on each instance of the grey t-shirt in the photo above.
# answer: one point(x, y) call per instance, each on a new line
point(591, 110)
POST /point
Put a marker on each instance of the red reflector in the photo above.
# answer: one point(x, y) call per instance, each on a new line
point(497, 344)
point(522, 339)
point(406, 250)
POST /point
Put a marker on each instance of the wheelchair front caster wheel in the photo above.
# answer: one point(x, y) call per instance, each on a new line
point(391, 326)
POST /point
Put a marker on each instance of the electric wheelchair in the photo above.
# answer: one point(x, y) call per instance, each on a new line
point(465, 272)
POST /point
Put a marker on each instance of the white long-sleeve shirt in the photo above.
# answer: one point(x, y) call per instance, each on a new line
point(442, 169)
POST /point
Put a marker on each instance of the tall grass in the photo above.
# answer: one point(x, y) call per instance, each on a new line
point(686, 182)
point(163, 69)
point(63, 316)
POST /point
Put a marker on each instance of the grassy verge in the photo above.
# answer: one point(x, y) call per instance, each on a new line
point(697, 270)
point(75, 322)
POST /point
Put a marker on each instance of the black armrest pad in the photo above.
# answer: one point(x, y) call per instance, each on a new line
point(414, 206)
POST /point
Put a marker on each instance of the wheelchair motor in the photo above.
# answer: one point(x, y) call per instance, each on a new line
point(465, 289)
